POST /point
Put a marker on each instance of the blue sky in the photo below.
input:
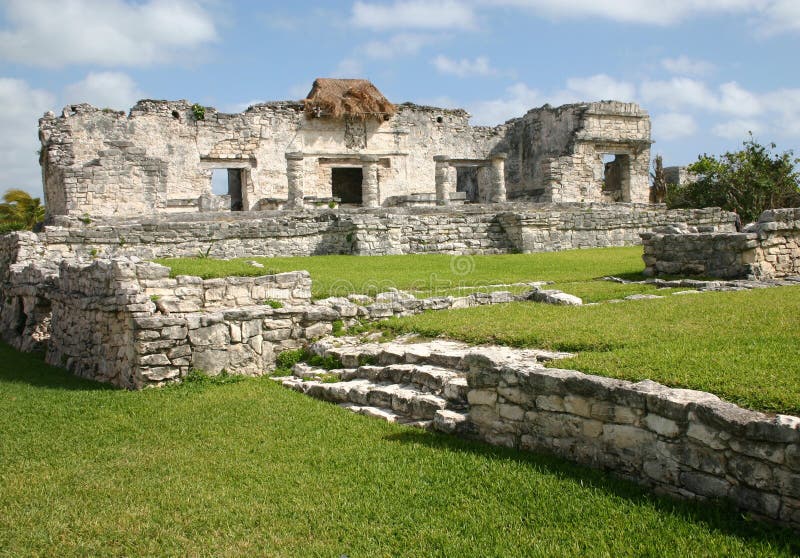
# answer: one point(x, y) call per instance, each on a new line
point(708, 71)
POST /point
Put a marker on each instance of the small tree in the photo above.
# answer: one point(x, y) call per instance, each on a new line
point(748, 181)
point(20, 211)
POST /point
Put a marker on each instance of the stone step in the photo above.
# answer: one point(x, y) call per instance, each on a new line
point(451, 422)
point(425, 376)
point(386, 414)
point(438, 353)
point(403, 399)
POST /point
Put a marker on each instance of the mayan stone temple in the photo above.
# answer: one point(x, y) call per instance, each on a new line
point(346, 171)
point(345, 143)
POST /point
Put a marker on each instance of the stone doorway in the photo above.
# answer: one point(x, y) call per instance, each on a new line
point(616, 176)
point(467, 182)
point(346, 184)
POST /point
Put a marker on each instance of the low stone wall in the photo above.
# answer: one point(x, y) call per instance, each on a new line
point(127, 322)
point(682, 442)
point(478, 229)
point(769, 249)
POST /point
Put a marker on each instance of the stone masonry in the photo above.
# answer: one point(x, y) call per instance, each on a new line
point(159, 157)
point(684, 443)
point(479, 229)
point(768, 249)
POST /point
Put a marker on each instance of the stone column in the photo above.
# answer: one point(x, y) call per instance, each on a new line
point(498, 194)
point(444, 178)
point(370, 196)
point(295, 173)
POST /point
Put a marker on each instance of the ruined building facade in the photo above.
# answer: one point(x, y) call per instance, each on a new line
point(159, 158)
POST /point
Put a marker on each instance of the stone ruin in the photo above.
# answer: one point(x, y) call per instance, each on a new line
point(160, 157)
point(348, 172)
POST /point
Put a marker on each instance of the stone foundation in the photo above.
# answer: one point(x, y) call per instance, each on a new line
point(769, 249)
point(476, 229)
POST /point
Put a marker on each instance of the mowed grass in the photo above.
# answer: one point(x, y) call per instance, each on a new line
point(430, 274)
point(742, 346)
point(252, 469)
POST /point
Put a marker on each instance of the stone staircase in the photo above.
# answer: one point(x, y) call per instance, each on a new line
point(420, 384)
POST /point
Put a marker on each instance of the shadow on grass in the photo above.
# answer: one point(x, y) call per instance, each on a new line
point(29, 368)
point(716, 515)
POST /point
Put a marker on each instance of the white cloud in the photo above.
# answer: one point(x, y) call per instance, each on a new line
point(414, 14)
point(768, 16)
point(596, 88)
point(686, 66)
point(654, 12)
point(737, 129)
point(402, 44)
point(678, 93)
point(519, 98)
point(673, 125)
point(465, 67)
point(19, 142)
point(105, 32)
point(348, 68)
point(105, 89)
point(781, 16)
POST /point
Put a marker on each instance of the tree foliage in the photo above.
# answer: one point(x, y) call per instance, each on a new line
point(20, 211)
point(748, 181)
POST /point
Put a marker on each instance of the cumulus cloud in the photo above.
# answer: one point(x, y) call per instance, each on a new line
point(737, 128)
point(414, 14)
point(402, 44)
point(678, 93)
point(105, 89)
point(464, 67)
point(348, 68)
point(768, 16)
point(518, 99)
point(22, 107)
point(686, 66)
point(110, 32)
point(598, 87)
point(673, 125)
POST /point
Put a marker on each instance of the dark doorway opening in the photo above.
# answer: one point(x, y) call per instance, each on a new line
point(346, 184)
point(467, 182)
point(228, 182)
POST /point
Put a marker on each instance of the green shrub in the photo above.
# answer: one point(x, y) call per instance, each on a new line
point(273, 303)
point(199, 111)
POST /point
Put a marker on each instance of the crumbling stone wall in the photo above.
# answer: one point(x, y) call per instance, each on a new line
point(681, 442)
point(768, 249)
point(159, 158)
point(556, 154)
point(488, 229)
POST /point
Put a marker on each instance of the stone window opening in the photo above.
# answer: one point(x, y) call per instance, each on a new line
point(346, 184)
point(228, 182)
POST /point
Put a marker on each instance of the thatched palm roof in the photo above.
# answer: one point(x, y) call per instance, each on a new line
point(356, 98)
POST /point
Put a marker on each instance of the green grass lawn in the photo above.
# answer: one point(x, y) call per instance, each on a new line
point(430, 273)
point(742, 346)
point(252, 469)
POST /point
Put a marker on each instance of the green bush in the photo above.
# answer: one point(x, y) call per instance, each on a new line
point(199, 111)
point(748, 182)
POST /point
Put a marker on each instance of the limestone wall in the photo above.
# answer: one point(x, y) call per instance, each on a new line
point(768, 249)
point(159, 158)
point(465, 230)
point(682, 442)
point(556, 154)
